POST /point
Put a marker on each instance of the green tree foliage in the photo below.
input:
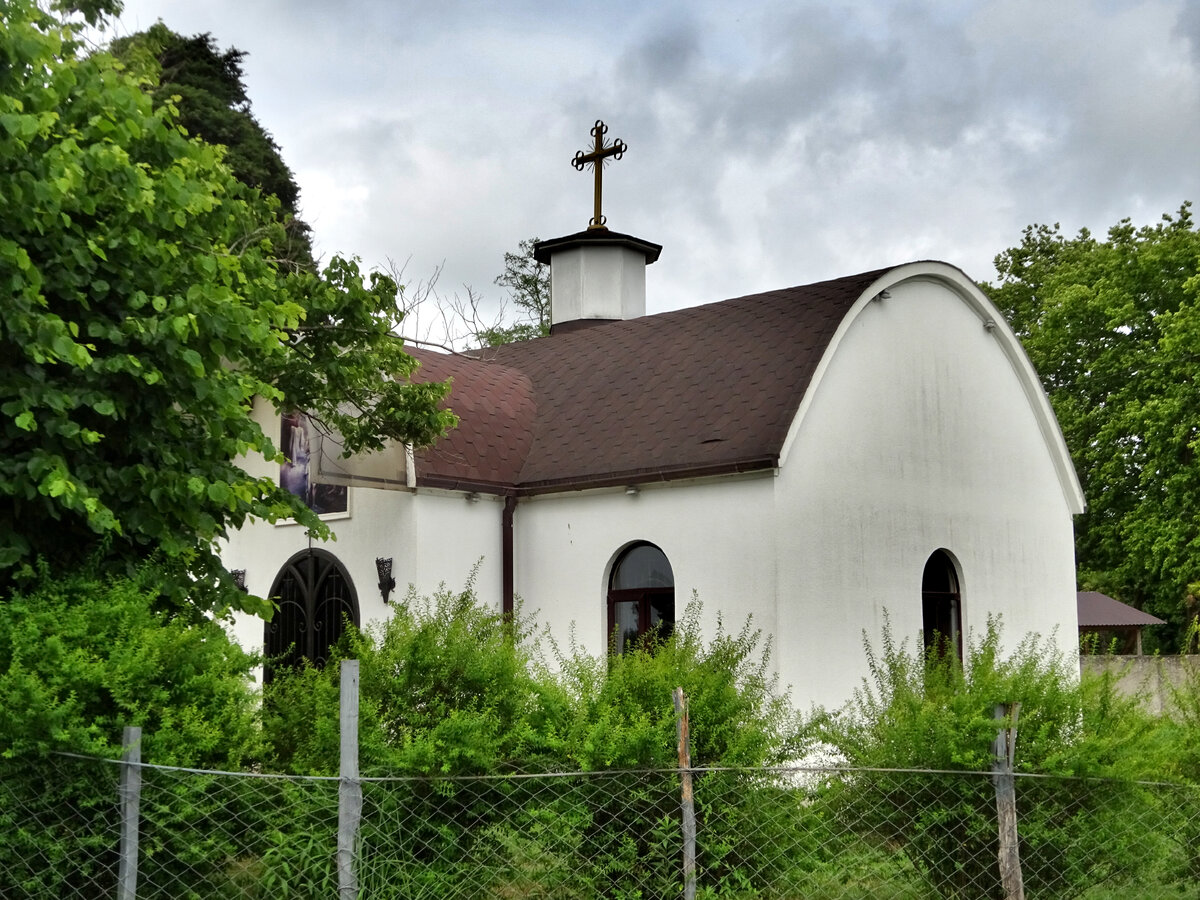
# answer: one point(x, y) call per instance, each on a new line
point(205, 85)
point(82, 656)
point(527, 282)
point(1112, 327)
point(144, 312)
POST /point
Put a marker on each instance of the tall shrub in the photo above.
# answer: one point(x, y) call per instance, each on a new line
point(449, 695)
point(930, 711)
point(452, 690)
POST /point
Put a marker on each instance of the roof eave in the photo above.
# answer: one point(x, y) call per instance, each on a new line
point(605, 480)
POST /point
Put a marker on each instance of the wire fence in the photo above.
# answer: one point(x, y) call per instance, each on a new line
point(787, 833)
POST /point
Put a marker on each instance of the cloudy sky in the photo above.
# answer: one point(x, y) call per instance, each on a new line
point(770, 143)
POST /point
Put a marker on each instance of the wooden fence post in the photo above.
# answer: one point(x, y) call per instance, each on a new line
point(1004, 750)
point(688, 806)
point(129, 793)
point(349, 787)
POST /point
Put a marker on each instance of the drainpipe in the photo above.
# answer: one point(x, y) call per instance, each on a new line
point(506, 553)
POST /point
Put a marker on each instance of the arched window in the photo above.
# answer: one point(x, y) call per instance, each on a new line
point(315, 597)
point(941, 603)
point(641, 596)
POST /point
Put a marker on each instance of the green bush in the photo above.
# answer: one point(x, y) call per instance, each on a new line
point(449, 689)
point(929, 711)
point(80, 658)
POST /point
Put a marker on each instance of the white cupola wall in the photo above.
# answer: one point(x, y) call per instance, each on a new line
point(596, 276)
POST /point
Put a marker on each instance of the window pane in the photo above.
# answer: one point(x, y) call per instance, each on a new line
point(644, 566)
point(662, 613)
point(625, 613)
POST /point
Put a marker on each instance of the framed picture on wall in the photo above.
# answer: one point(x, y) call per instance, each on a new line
point(300, 440)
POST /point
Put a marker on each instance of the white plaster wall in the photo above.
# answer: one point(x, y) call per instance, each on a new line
point(918, 436)
point(716, 534)
point(450, 535)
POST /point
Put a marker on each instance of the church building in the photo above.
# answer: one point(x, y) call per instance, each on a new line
point(816, 457)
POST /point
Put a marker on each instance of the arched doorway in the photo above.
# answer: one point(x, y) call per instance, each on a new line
point(641, 596)
point(315, 597)
point(941, 603)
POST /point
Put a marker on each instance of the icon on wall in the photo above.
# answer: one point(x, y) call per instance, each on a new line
point(300, 440)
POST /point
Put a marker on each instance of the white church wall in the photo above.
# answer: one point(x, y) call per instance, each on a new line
point(450, 535)
point(918, 436)
point(717, 535)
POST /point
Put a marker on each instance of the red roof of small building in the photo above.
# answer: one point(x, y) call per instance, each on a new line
point(708, 390)
point(1098, 610)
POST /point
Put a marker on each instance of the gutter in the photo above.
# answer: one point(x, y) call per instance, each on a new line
point(506, 556)
point(589, 482)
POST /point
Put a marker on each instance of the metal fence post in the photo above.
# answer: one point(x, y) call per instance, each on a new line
point(129, 794)
point(1004, 751)
point(687, 802)
point(349, 787)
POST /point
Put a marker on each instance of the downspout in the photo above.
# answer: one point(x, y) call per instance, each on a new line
point(506, 554)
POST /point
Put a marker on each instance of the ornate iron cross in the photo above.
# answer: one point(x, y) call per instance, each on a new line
point(596, 159)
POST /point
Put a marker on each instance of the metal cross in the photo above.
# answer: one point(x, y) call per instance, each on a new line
point(596, 159)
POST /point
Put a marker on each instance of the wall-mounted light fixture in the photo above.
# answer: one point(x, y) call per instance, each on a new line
point(632, 491)
point(387, 584)
point(472, 497)
point(989, 325)
point(882, 295)
point(239, 578)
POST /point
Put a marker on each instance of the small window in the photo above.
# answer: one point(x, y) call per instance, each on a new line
point(941, 604)
point(641, 597)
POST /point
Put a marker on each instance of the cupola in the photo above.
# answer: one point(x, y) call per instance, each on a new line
point(596, 275)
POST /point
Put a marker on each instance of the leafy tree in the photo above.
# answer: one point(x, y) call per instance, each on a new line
point(528, 284)
point(144, 312)
point(1112, 326)
point(206, 86)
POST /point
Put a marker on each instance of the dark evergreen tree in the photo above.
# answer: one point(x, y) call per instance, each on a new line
point(207, 86)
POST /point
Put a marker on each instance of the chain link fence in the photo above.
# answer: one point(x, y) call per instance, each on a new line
point(787, 833)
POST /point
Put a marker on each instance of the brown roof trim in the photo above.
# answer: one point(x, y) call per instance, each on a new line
point(466, 485)
point(646, 476)
point(618, 479)
point(595, 237)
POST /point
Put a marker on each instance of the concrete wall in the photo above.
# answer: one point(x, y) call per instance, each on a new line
point(1147, 677)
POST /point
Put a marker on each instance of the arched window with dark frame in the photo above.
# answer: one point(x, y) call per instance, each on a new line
point(641, 596)
point(314, 598)
point(941, 603)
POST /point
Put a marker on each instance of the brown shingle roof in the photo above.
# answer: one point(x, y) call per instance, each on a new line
point(1098, 610)
point(496, 413)
point(706, 390)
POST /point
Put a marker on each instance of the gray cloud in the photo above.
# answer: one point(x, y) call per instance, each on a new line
point(770, 143)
